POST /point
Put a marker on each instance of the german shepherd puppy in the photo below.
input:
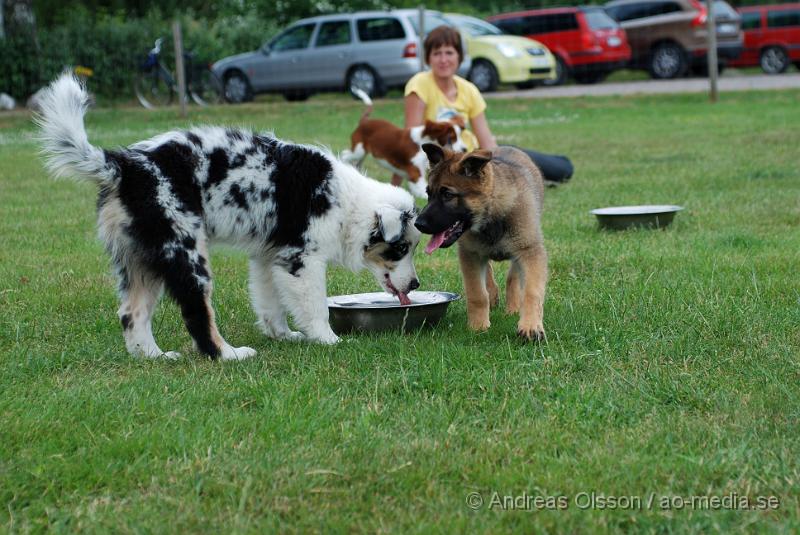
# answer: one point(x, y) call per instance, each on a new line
point(491, 203)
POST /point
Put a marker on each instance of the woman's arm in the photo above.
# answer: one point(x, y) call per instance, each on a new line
point(415, 110)
point(481, 129)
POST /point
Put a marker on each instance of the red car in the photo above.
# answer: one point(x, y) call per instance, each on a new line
point(587, 43)
point(771, 37)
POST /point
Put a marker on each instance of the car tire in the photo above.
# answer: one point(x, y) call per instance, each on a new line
point(562, 73)
point(237, 88)
point(773, 60)
point(365, 78)
point(484, 75)
point(667, 60)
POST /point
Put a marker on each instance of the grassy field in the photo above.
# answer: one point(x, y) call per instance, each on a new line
point(670, 371)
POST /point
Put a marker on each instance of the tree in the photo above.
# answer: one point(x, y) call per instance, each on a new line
point(17, 18)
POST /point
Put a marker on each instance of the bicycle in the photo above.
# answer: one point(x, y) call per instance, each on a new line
point(156, 86)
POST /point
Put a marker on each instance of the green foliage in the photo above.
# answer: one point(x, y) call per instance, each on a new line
point(55, 12)
point(113, 47)
point(228, 35)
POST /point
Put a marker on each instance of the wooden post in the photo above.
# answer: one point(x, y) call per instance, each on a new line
point(420, 46)
point(711, 58)
point(179, 68)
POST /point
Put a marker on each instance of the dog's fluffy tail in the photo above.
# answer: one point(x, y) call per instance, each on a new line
point(63, 136)
point(366, 100)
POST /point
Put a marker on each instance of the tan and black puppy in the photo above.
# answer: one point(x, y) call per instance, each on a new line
point(491, 203)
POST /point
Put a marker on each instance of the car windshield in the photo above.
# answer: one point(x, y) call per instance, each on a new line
point(722, 8)
point(431, 21)
point(475, 27)
point(597, 19)
point(292, 39)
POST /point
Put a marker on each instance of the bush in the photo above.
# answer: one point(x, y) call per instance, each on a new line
point(114, 48)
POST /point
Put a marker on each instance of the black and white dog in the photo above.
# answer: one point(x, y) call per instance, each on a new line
point(292, 208)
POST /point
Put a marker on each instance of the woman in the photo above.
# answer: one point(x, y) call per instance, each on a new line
point(440, 95)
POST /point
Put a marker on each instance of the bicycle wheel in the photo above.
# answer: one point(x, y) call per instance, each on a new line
point(206, 88)
point(152, 89)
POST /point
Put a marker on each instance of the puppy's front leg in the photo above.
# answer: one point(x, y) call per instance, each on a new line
point(266, 302)
point(301, 288)
point(491, 286)
point(473, 270)
point(513, 288)
point(533, 264)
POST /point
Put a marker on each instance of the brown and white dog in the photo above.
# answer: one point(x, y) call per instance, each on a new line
point(400, 149)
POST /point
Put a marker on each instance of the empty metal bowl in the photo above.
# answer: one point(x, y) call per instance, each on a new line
point(644, 216)
point(375, 312)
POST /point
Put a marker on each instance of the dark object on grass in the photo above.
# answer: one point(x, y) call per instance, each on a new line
point(556, 169)
point(374, 312)
point(645, 216)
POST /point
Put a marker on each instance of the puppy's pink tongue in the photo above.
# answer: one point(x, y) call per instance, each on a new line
point(436, 241)
point(404, 300)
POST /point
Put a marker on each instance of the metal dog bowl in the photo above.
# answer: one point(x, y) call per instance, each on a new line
point(374, 312)
point(645, 216)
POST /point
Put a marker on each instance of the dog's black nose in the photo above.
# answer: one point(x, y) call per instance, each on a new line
point(422, 225)
point(413, 285)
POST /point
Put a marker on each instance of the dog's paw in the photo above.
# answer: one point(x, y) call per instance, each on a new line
point(532, 333)
point(328, 339)
point(512, 307)
point(291, 336)
point(321, 333)
point(154, 353)
point(479, 324)
point(237, 353)
point(277, 330)
point(294, 336)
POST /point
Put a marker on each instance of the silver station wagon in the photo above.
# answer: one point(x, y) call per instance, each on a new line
point(369, 50)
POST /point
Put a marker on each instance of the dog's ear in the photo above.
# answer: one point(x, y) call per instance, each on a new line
point(435, 153)
point(473, 162)
point(392, 222)
point(434, 130)
point(458, 121)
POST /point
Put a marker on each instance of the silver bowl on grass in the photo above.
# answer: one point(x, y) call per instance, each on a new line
point(644, 216)
point(375, 312)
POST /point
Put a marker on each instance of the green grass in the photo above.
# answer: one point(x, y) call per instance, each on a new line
point(670, 369)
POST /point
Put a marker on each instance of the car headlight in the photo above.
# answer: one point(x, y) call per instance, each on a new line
point(508, 50)
point(536, 51)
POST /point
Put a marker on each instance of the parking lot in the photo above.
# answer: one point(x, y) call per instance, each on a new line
point(727, 82)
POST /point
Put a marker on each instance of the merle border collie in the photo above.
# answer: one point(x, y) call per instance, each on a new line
point(292, 208)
